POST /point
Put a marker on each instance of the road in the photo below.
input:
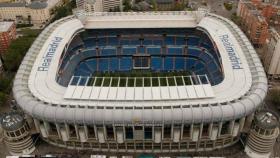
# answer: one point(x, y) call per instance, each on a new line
point(217, 6)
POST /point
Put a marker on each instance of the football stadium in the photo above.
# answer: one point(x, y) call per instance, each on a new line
point(157, 82)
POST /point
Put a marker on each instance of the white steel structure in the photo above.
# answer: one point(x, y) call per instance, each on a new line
point(182, 118)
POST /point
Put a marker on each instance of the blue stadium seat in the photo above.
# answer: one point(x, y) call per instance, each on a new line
point(83, 67)
point(199, 65)
point(170, 40)
point(205, 57)
point(103, 64)
point(175, 51)
point(190, 62)
point(156, 63)
point(179, 63)
point(168, 63)
point(102, 42)
point(158, 42)
point(180, 41)
point(114, 66)
point(135, 42)
point(90, 42)
point(153, 50)
point(124, 42)
point(194, 51)
point(113, 41)
point(193, 40)
point(207, 45)
point(108, 51)
point(147, 42)
point(89, 53)
point(92, 64)
point(125, 64)
point(129, 50)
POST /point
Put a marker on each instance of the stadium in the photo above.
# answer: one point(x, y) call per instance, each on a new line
point(157, 82)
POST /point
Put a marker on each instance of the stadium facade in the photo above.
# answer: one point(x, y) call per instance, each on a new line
point(141, 82)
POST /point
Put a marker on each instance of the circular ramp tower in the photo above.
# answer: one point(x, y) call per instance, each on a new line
point(262, 136)
point(16, 134)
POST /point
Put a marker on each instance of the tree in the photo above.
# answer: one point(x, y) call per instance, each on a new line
point(228, 6)
point(3, 98)
point(64, 10)
point(6, 82)
point(154, 4)
point(127, 5)
point(178, 6)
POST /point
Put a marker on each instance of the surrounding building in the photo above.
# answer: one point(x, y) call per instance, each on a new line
point(167, 5)
point(1, 70)
point(253, 23)
point(99, 5)
point(271, 56)
point(263, 135)
point(17, 135)
point(198, 84)
point(7, 34)
point(35, 12)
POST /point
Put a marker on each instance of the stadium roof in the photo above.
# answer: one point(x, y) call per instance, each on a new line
point(242, 90)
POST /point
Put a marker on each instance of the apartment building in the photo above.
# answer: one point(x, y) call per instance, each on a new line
point(109, 5)
point(36, 12)
point(99, 5)
point(7, 34)
point(253, 23)
point(272, 54)
point(1, 66)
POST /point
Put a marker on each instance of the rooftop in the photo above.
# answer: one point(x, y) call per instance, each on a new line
point(11, 121)
point(5, 4)
point(5, 26)
point(36, 4)
point(266, 120)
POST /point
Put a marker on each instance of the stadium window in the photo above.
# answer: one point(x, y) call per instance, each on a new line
point(128, 133)
point(167, 131)
point(17, 133)
point(225, 128)
point(186, 131)
point(22, 130)
point(12, 134)
point(52, 129)
point(91, 132)
point(148, 132)
point(141, 62)
point(72, 131)
point(110, 132)
point(205, 130)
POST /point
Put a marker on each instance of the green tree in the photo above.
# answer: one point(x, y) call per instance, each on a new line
point(179, 6)
point(228, 6)
point(154, 4)
point(12, 58)
point(127, 5)
point(3, 98)
point(5, 83)
point(64, 10)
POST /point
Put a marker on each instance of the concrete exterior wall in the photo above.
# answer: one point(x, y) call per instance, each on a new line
point(6, 38)
point(253, 23)
point(272, 54)
point(139, 137)
point(38, 17)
